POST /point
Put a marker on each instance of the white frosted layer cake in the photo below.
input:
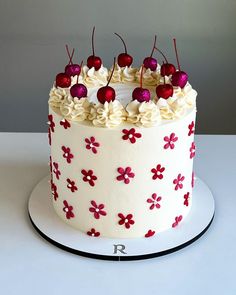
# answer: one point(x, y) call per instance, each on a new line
point(122, 167)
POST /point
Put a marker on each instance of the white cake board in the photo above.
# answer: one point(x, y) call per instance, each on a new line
point(54, 230)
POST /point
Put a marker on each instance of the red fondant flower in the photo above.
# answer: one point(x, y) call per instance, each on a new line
point(157, 172)
point(131, 135)
point(67, 154)
point(177, 220)
point(193, 180)
point(150, 233)
point(170, 141)
point(192, 150)
point(71, 185)
point(186, 199)
point(93, 233)
point(178, 182)
point(191, 128)
point(65, 123)
point(49, 136)
point(56, 170)
point(126, 220)
point(125, 174)
point(154, 202)
point(51, 123)
point(92, 144)
point(97, 210)
point(54, 190)
point(68, 209)
point(89, 177)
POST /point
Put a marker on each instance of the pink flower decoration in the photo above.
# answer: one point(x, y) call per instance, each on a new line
point(191, 128)
point(56, 170)
point(49, 136)
point(67, 154)
point(150, 233)
point(93, 233)
point(154, 202)
point(54, 190)
point(92, 144)
point(89, 177)
point(65, 123)
point(125, 174)
point(71, 185)
point(192, 150)
point(51, 123)
point(170, 141)
point(193, 180)
point(177, 220)
point(178, 182)
point(126, 220)
point(97, 210)
point(68, 209)
point(157, 172)
point(186, 199)
point(131, 135)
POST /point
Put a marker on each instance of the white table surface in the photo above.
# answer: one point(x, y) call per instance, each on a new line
point(31, 265)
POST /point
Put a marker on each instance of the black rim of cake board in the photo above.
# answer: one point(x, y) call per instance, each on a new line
point(121, 258)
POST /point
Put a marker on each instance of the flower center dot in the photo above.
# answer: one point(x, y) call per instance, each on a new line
point(97, 210)
point(126, 220)
point(88, 177)
point(126, 176)
point(92, 235)
point(130, 136)
point(91, 145)
point(66, 209)
point(66, 155)
point(69, 185)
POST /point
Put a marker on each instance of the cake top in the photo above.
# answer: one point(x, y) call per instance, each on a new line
point(145, 96)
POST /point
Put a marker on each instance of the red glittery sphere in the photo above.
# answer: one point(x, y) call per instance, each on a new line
point(106, 93)
point(63, 80)
point(167, 69)
point(141, 94)
point(179, 79)
point(150, 63)
point(78, 90)
point(94, 61)
point(124, 60)
point(72, 70)
point(164, 91)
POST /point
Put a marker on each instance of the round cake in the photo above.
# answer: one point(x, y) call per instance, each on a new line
point(122, 147)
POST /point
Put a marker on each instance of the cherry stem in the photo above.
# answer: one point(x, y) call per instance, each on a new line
point(154, 45)
point(109, 80)
point(162, 54)
point(122, 42)
point(176, 53)
point(81, 64)
point(70, 55)
point(164, 73)
point(141, 77)
point(93, 41)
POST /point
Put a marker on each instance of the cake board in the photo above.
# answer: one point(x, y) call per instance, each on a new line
point(53, 229)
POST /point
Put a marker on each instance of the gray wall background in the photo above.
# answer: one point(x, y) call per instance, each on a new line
point(33, 35)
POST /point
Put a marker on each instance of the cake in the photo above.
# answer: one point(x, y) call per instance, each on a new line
point(122, 146)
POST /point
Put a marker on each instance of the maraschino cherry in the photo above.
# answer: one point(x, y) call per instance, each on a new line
point(179, 78)
point(107, 93)
point(164, 90)
point(78, 90)
point(72, 69)
point(94, 61)
point(150, 62)
point(139, 93)
point(63, 80)
point(124, 59)
point(167, 69)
